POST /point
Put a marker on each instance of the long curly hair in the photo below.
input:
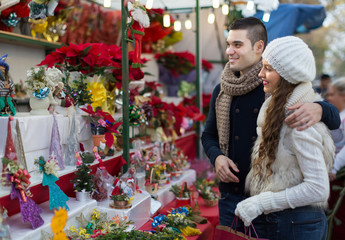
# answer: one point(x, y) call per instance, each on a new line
point(275, 116)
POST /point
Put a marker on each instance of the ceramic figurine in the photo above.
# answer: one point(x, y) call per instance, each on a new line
point(6, 89)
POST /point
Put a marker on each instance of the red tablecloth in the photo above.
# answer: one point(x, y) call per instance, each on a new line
point(41, 193)
point(211, 213)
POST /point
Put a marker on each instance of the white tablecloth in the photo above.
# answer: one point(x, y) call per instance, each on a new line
point(20, 230)
point(36, 134)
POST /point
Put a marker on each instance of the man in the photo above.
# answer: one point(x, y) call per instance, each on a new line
point(325, 80)
point(230, 129)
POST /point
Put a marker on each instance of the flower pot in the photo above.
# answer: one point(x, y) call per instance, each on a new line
point(82, 196)
point(120, 203)
point(211, 203)
point(97, 139)
point(152, 188)
point(39, 106)
point(180, 202)
point(98, 130)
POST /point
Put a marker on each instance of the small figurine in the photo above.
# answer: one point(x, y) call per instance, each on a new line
point(6, 89)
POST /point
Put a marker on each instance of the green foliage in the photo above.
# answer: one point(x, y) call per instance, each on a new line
point(78, 89)
point(176, 190)
point(121, 197)
point(83, 179)
point(167, 234)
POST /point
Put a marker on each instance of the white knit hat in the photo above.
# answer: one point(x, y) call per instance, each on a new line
point(291, 58)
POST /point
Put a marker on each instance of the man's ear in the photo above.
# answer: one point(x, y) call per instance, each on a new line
point(259, 47)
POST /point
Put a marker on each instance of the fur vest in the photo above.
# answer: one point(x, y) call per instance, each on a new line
point(286, 171)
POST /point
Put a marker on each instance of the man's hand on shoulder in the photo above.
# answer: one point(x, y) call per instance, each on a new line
point(223, 165)
point(305, 115)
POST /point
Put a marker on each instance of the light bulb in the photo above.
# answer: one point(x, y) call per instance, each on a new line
point(177, 25)
point(166, 20)
point(266, 17)
point(215, 4)
point(149, 4)
point(188, 24)
point(250, 5)
point(107, 3)
point(225, 9)
point(211, 18)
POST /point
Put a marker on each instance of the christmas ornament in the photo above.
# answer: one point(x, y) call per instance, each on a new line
point(58, 223)
point(20, 181)
point(140, 20)
point(57, 198)
point(21, 155)
point(55, 150)
point(72, 145)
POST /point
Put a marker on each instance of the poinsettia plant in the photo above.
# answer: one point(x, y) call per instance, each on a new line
point(93, 59)
point(180, 62)
point(104, 119)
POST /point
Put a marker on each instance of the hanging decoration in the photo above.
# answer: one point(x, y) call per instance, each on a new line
point(140, 20)
point(57, 198)
point(11, 12)
point(19, 179)
point(55, 149)
point(72, 145)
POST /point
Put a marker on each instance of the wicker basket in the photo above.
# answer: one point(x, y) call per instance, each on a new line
point(151, 187)
point(211, 203)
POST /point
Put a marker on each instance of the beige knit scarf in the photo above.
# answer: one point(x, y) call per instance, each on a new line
point(231, 85)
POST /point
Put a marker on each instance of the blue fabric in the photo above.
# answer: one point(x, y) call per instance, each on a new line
point(291, 18)
point(301, 223)
point(226, 206)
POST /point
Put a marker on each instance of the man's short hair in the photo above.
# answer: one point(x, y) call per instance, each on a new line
point(256, 29)
point(325, 77)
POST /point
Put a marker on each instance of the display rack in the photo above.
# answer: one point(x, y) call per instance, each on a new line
point(15, 38)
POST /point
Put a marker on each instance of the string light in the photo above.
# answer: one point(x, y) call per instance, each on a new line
point(211, 18)
point(188, 23)
point(225, 9)
point(166, 19)
point(177, 24)
point(266, 17)
point(215, 4)
point(250, 5)
point(107, 3)
point(149, 4)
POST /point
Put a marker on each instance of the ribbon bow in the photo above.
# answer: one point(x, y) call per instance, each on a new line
point(41, 93)
point(21, 181)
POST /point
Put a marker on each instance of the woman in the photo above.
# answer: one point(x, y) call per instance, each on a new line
point(288, 180)
point(336, 96)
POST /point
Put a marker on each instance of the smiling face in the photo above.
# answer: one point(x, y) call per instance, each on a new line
point(270, 78)
point(241, 53)
point(336, 98)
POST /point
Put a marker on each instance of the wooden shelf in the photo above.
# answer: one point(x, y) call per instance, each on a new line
point(9, 37)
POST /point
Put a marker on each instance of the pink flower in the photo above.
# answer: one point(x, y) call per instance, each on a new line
point(102, 122)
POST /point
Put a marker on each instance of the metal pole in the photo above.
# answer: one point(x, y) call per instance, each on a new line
point(125, 87)
point(198, 77)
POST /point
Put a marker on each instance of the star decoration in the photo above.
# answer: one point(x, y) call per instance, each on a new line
point(46, 235)
point(82, 220)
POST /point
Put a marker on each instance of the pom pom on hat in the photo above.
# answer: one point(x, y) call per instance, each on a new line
point(291, 58)
point(3, 61)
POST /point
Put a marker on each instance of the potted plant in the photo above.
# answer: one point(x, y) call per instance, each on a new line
point(120, 199)
point(41, 84)
point(206, 192)
point(83, 183)
point(152, 176)
point(103, 125)
point(182, 194)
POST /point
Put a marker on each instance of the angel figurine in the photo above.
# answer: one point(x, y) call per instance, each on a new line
point(6, 89)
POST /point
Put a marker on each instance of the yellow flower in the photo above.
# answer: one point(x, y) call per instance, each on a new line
point(95, 214)
point(99, 94)
point(73, 229)
point(189, 231)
